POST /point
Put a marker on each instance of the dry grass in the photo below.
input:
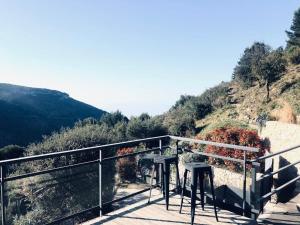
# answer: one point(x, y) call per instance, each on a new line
point(285, 113)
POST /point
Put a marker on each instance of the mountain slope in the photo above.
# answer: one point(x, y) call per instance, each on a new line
point(245, 105)
point(28, 113)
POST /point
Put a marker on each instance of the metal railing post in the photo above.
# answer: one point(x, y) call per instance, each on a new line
point(2, 173)
point(177, 175)
point(253, 193)
point(161, 166)
point(244, 183)
point(100, 183)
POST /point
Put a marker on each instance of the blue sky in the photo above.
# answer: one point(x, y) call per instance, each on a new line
point(133, 55)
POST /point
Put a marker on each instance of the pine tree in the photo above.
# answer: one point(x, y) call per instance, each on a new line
point(294, 33)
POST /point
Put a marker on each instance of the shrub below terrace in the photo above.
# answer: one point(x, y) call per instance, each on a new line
point(127, 166)
point(235, 136)
point(63, 192)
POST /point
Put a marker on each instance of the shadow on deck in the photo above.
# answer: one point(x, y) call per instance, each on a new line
point(141, 213)
point(282, 213)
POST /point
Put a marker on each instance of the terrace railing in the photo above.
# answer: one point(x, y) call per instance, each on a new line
point(258, 201)
point(157, 144)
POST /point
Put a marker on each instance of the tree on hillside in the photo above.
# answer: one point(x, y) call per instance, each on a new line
point(243, 72)
point(294, 33)
point(145, 126)
point(182, 101)
point(270, 68)
point(111, 119)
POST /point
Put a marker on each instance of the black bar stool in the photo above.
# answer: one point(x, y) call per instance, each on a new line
point(164, 162)
point(197, 171)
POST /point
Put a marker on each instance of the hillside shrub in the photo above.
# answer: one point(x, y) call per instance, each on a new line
point(293, 55)
point(127, 166)
point(235, 136)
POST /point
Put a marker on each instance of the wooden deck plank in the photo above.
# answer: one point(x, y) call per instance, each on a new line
point(155, 213)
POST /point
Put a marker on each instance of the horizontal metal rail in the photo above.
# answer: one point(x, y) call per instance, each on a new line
point(277, 171)
point(75, 151)
point(274, 191)
point(222, 145)
point(119, 144)
point(50, 170)
point(217, 156)
point(133, 154)
point(276, 153)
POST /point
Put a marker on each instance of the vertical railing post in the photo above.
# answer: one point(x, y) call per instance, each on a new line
point(244, 183)
point(2, 173)
point(177, 176)
point(253, 193)
point(100, 183)
point(161, 166)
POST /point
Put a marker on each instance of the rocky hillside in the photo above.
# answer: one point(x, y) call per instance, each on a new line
point(246, 104)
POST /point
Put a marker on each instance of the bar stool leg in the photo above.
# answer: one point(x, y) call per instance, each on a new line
point(163, 181)
point(193, 195)
point(213, 193)
point(166, 181)
point(151, 182)
point(177, 178)
point(201, 179)
point(183, 189)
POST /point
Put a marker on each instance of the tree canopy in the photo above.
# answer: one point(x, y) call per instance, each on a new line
point(244, 72)
point(294, 32)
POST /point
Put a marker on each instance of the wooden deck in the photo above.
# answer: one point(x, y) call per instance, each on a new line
point(141, 213)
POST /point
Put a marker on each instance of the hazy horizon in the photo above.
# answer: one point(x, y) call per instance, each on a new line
point(133, 56)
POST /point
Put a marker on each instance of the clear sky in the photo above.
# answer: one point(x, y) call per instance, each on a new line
point(133, 55)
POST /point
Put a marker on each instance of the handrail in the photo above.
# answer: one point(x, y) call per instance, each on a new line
point(276, 153)
point(217, 144)
point(80, 150)
point(102, 147)
point(278, 189)
point(277, 171)
point(271, 174)
point(100, 161)
point(216, 156)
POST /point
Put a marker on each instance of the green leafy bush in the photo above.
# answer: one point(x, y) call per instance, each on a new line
point(293, 55)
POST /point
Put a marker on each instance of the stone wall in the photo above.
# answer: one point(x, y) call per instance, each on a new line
point(282, 136)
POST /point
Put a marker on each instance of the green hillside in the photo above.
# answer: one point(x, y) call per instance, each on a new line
point(26, 114)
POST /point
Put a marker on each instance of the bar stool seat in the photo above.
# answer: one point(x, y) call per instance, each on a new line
point(164, 162)
point(197, 171)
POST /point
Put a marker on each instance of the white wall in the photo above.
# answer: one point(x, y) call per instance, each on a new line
point(282, 136)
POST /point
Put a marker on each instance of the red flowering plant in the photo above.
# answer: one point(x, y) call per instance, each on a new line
point(127, 166)
point(236, 136)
